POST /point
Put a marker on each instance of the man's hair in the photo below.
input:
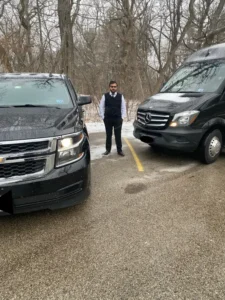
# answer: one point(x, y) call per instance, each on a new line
point(112, 82)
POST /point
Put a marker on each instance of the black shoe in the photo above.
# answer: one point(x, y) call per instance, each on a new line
point(121, 153)
point(106, 153)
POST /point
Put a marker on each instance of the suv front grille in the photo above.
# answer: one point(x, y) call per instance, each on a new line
point(154, 119)
point(21, 168)
point(26, 159)
point(23, 147)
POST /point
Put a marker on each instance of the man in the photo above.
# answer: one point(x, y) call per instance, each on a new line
point(113, 111)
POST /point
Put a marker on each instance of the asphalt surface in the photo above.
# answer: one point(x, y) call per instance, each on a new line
point(157, 234)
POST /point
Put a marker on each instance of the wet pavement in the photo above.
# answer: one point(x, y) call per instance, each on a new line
point(157, 234)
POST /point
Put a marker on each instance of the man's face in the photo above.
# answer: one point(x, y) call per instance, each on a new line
point(113, 88)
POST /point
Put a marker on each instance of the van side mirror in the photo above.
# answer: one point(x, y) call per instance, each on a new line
point(84, 99)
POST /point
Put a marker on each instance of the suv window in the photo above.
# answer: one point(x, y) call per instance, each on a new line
point(47, 92)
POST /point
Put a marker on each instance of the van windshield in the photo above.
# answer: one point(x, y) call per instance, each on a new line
point(201, 77)
point(34, 92)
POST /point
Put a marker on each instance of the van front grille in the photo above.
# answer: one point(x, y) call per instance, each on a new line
point(153, 119)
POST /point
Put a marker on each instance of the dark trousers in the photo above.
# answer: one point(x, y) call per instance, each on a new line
point(117, 125)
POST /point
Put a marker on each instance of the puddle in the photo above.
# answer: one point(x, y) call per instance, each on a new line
point(135, 188)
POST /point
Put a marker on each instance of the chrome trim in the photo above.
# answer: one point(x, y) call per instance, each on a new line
point(49, 154)
point(49, 165)
point(155, 125)
point(157, 120)
point(20, 160)
point(50, 139)
point(141, 122)
point(70, 162)
point(160, 116)
point(153, 115)
point(153, 120)
point(27, 141)
point(51, 148)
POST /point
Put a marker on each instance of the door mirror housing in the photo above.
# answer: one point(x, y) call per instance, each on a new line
point(84, 100)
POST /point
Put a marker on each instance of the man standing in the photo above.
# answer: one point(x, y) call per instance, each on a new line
point(113, 111)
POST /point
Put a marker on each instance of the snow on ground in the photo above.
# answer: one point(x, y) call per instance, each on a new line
point(97, 151)
point(179, 169)
point(94, 127)
point(127, 129)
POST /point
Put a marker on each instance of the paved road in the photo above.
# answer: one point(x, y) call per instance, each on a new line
point(157, 234)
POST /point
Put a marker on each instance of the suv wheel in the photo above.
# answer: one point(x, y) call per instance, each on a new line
point(211, 146)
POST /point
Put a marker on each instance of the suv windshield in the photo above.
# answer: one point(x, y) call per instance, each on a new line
point(204, 77)
point(34, 92)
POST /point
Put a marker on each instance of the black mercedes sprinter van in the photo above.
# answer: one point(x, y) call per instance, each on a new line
point(188, 113)
point(44, 147)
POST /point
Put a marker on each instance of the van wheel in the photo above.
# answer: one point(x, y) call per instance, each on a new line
point(211, 147)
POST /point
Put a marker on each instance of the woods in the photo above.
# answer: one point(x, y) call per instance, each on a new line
point(139, 43)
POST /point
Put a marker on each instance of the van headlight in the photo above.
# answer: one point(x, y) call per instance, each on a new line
point(69, 149)
point(185, 118)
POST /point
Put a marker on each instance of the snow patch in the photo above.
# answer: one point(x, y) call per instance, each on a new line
point(95, 127)
point(179, 169)
point(97, 152)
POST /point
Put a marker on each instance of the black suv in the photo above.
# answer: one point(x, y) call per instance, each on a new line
point(44, 147)
point(189, 112)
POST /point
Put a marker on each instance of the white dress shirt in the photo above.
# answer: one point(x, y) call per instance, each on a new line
point(102, 106)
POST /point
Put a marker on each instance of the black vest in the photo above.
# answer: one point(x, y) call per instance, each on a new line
point(113, 106)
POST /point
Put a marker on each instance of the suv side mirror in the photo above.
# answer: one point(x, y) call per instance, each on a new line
point(84, 99)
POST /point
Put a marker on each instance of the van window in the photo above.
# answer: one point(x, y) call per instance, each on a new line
point(204, 77)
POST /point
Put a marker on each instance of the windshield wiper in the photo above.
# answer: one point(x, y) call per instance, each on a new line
point(33, 105)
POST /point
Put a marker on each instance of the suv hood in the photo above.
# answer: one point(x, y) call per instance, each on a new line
point(21, 123)
point(176, 102)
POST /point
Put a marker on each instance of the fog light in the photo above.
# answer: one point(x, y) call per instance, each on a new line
point(173, 124)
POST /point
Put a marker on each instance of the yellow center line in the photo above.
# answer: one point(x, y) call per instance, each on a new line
point(137, 160)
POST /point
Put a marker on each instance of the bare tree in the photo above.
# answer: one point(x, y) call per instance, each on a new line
point(140, 43)
point(67, 14)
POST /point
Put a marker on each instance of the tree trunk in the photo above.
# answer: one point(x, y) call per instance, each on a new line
point(66, 34)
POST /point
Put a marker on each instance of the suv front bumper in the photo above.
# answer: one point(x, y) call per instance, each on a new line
point(60, 188)
point(183, 138)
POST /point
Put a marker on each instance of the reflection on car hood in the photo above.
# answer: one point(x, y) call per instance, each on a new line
point(176, 102)
point(30, 123)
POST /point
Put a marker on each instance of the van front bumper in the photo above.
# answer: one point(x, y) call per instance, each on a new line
point(184, 138)
point(60, 188)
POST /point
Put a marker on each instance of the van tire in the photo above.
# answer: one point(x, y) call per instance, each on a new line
point(211, 147)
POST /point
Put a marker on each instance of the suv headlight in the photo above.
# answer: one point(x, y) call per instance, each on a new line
point(185, 118)
point(69, 149)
